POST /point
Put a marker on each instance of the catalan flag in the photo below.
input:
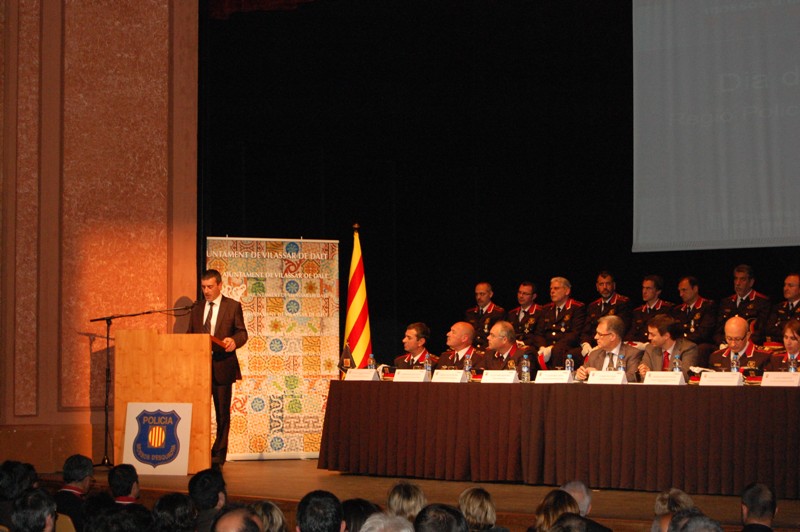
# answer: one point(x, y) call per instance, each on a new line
point(356, 328)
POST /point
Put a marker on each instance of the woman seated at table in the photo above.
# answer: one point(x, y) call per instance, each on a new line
point(791, 341)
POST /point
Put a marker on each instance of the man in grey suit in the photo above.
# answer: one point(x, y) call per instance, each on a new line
point(666, 344)
point(221, 317)
point(608, 335)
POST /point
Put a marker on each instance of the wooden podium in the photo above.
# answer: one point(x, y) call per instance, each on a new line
point(172, 368)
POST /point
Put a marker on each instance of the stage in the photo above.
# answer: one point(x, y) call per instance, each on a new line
point(286, 481)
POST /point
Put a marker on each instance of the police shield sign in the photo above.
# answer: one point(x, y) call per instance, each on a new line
point(157, 443)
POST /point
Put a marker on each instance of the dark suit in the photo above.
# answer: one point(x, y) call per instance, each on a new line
point(653, 356)
point(618, 305)
point(495, 361)
point(755, 309)
point(70, 502)
point(483, 322)
point(753, 358)
point(407, 361)
point(698, 324)
point(525, 324)
point(632, 359)
point(448, 359)
point(224, 367)
point(562, 333)
point(778, 318)
point(641, 316)
point(779, 362)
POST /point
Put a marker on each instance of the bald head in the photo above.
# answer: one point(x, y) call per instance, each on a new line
point(737, 333)
point(460, 335)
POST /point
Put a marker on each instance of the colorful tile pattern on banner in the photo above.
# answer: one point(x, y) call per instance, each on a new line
point(289, 290)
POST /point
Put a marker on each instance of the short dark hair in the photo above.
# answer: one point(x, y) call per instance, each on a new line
point(205, 487)
point(440, 518)
point(759, 500)
point(356, 511)
point(174, 512)
point(319, 511)
point(657, 281)
point(31, 510)
point(691, 279)
point(77, 467)
point(665, 324)
point(531, 284)
point(16, 477)
point(211, 274)
point(744, 268)
point(606, 273)
point(121, 479)
point(422, 330)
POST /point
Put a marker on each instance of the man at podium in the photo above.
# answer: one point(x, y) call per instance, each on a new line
point(222, 318)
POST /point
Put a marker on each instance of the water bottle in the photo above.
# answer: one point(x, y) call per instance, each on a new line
point(371, 363)
point(621, 363)
point(792, 363)
point(525, 369)
point(676, 362)
point(734, 363)
point(569, 364)
point(428, 366)
point(468, 366)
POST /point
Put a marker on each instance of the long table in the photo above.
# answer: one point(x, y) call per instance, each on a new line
point(704, 440)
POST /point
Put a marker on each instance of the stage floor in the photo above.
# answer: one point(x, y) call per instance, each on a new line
point(286, 481)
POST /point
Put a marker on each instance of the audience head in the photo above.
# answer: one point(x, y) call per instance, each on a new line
point(680, 518)
point(758, 504)
point(236, 518)
point(174, 512)
point(123, 481)
point(356, 511)
point(582, 495)
point(405, 500)
point(381, 522)
point(16, 477)
point(79, 471)
point(701, 523)
point(478, 508)
point(440, 518)
point(271, 516)
point(320, 511)
point(570, 522)
point(554, 504)
point(34, 511)
point(672, 501)
point(207, 490)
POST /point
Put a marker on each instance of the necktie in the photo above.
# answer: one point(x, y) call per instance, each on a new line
point(791, 307)
point(610, 366)
point(480, 312)
point(207, 324)
point(665, 363)
point(558, 311)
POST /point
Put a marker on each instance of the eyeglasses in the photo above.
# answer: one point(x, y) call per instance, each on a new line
point(603, 334)
point(730, 339)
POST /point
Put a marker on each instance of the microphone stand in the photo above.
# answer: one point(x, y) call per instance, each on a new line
point(106, 462)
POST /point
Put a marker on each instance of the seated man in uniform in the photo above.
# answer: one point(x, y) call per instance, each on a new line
point(745, 302)
point(666, 345)
point(785, 311)
point(484, 314)
point(560, 326)
point(697, 316)
point(524, 317)
point(503, 351)
point(609, 348)
point(737, 336)
point(609, 303)
point(414, 341)
point(459, 340)
point(652, 285)
point(758, 507)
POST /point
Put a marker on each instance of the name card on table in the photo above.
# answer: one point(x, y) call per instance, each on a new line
point(362, 375)
point(721, 378)
point(411, 375)
point(449, 375)
point(607, 377)
point(554, 376)
point(505, 376)
point(664, 377)
point(780, 378)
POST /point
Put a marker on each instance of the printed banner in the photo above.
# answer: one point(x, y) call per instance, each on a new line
point(289, 291)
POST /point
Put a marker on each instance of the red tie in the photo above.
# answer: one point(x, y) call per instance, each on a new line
point(665, 365)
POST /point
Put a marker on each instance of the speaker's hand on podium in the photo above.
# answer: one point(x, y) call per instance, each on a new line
point(230, 345)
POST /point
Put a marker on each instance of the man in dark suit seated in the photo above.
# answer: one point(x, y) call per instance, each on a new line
point(484, 314)
point(737, 336)
point(417, 335)
point(503, 351)
point(78, 478)
point(459, 340)
point(666, 345)
point(609, 348)
point(221, 317)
